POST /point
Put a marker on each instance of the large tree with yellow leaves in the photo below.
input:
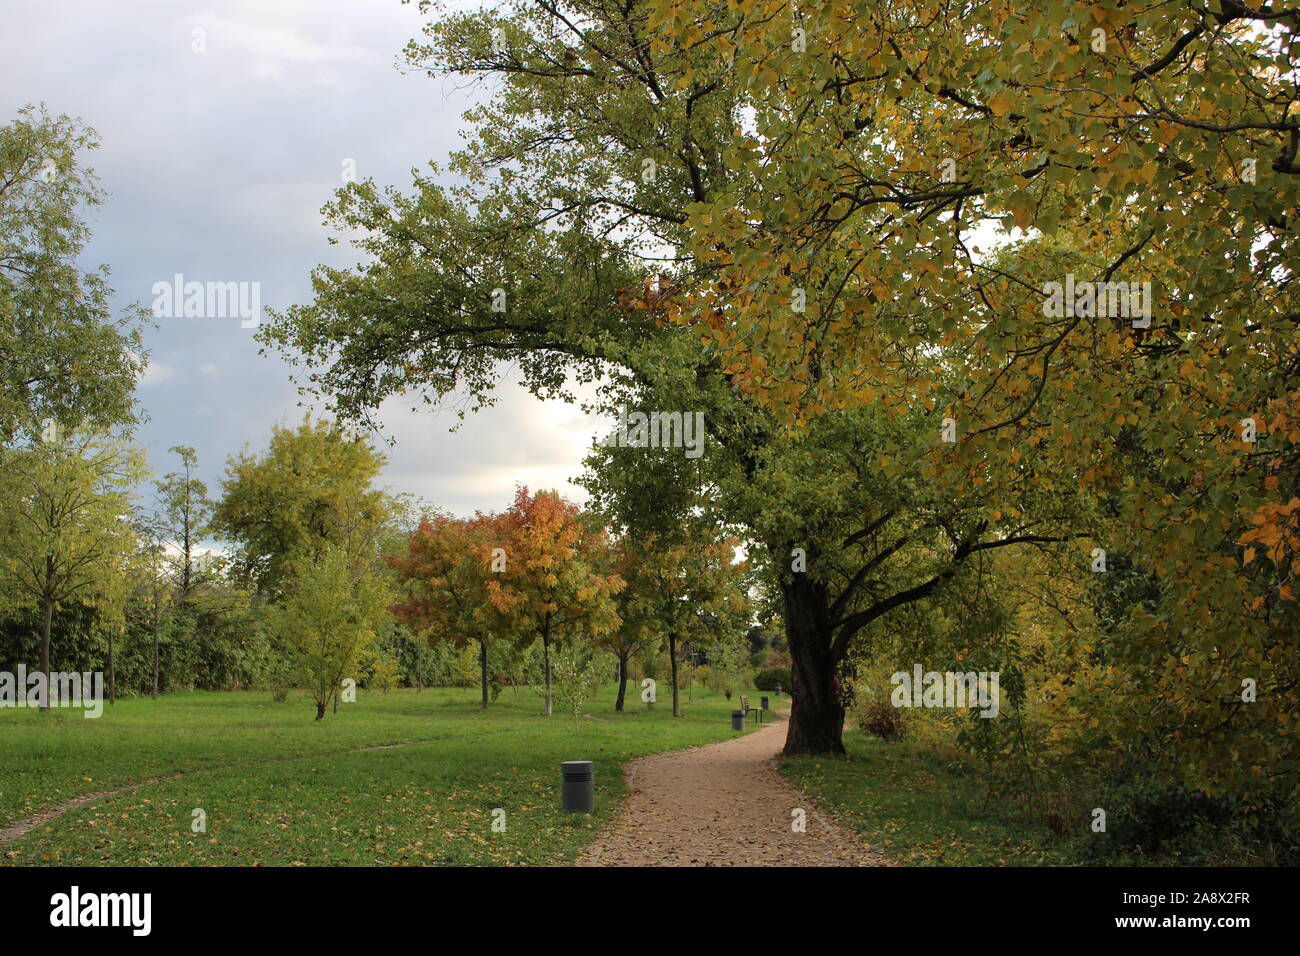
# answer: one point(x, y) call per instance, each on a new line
point(847, 234)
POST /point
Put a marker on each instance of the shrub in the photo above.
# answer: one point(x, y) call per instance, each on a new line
point(878, 717)
point(280, 679)
point(772, 678)
point(1143, 813)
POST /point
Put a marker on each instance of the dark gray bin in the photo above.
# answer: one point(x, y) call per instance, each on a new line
point(764, 702)
point(578, 787)
point(737, 720)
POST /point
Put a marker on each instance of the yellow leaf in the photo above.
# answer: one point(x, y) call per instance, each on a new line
point(1000, 104)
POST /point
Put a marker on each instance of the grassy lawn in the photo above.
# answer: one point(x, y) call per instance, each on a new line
point(926, 810)
point(280, 789)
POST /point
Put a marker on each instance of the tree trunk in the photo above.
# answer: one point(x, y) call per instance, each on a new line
point(482, 663)
point(186, 568)
point(816, 715)
point(320, 710)
point(689, 648)
point(336, 700)
point(155, 653)
point(546, 662)
point(622, 683)
point(45, 650)
point(112, 671)
point(672, 661)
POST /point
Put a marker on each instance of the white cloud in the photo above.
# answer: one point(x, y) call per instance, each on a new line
point(157, 373)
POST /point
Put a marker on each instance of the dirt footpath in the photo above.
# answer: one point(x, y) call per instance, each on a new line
point(722, 805)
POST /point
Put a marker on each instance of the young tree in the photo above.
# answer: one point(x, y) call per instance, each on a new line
point(149, 573)
point(550, 586)
point(328, 617)
point(685, 581)
point(683, 575)
point(446, 572)
point(64, 531)
point(185, 512)
point(636, 615)
point(576, 676)
point(729, 668)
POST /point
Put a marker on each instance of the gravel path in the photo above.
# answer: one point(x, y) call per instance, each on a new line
point(722, 805)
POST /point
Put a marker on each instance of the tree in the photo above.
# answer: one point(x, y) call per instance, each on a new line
point(635, 613)
point(446, 572)
point(176, 525)
point(185, 511)
point(729, 668)
point(63, 357)
point(550, 586)
point(150, 584)
point(576, 677)
point(686, 581)
point(385, 668)
point(64, 537)
point(887, 404)
point(1141, 161)
point(328, 617)
point(579, 299)
point(311, 488)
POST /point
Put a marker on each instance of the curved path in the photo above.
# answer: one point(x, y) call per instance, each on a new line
point(20, 828)
point(722, 805)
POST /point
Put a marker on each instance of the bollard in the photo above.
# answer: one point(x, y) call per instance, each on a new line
point(764, 702)
point(578, 792)
point(737, 720)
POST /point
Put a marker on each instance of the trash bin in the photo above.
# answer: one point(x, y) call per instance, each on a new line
point(737, 720)
point(578, 791)
point(778, 692)
point(764, 702)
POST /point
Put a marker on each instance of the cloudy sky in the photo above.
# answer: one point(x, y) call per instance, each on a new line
point(216, 164)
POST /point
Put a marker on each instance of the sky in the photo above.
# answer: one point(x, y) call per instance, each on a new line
point(216, 162)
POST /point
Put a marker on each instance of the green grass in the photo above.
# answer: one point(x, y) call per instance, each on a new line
point(279, 788)
point(922, 809)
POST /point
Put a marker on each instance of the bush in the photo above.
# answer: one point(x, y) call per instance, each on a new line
point(280, 679)
point(772, 678)
point(879, 717)
point(1145, 814)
